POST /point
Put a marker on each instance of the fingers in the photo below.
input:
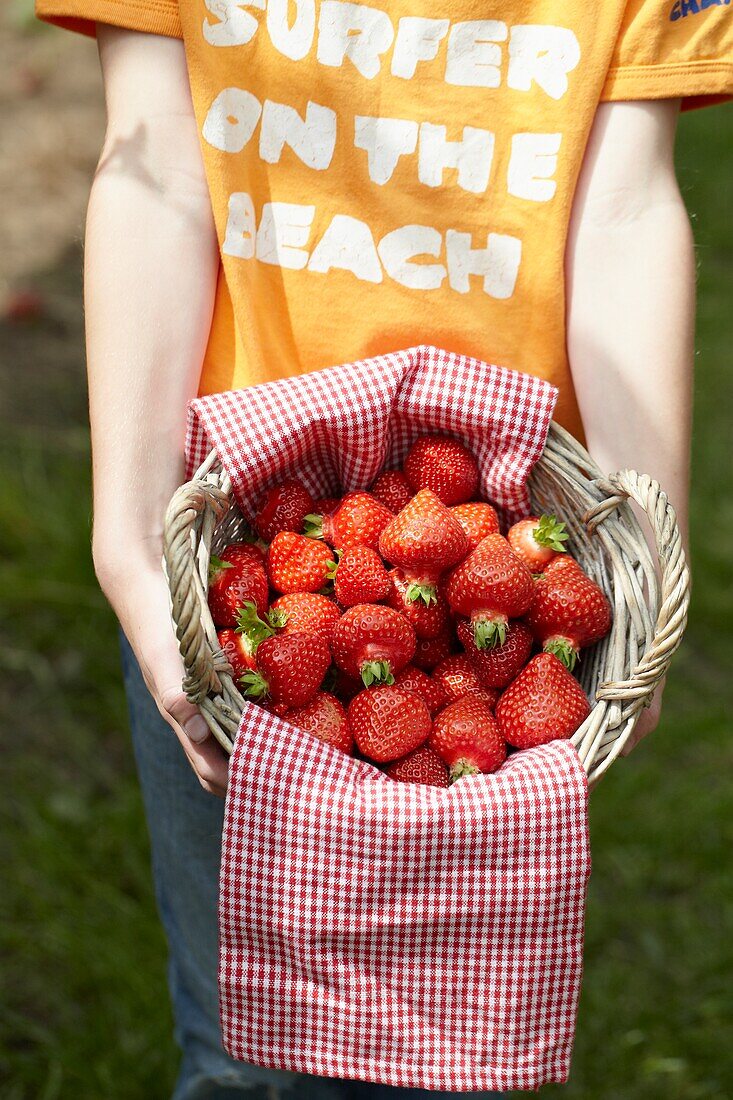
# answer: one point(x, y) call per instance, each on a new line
point(211, 765)
point(631, 744)
point(648, 722)
point(142, 604)
point(148, 627)
point(205, 755)
point(180, 712)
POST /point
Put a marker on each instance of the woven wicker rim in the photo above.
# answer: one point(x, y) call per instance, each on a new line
point(620, 673)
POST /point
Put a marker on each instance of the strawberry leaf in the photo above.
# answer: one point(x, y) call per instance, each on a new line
point(277, 618)
point(313, 526)
point(564, 650)
point(461, 768)
point(330, 573)
point(376, 672)
point(331, 570)
point(254, 683)
point(424, 592)
point(551, 533)
point(215, 567)
point(489, 633)
point(252, 626)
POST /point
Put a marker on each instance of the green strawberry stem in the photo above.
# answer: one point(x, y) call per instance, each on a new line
point(376, 672)
point(255, 685)
point(277, 618)
point(489, 632)
point(216, 565)
point(425, 592)
point(462, 767)
point(551, 533)
point(330, 574)
point(252, 626)
point(313, 526)
point(564, 650)
point(331, 570)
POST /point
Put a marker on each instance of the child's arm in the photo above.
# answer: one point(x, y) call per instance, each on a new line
point(150, 268)
point(630, 276)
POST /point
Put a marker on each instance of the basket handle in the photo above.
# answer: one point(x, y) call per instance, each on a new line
point(638, 689)
point(190, 505)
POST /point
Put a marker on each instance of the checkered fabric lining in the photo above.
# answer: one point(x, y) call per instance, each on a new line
point(337, 428)
point(399, 933)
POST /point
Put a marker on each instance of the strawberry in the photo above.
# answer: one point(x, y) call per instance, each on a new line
point(478, 520)
point(305, 616)
point(284, 509)
point(427, 620)
point(324, 717)
point(238, 651)
point(290, 669)
point(303, 612)
point(443, 465)
point(423, 540)
point(544, 703)
point(372, 641)
point(431, 651)
point(558, 563)
point(537, 540)
point(497, 667)
point(467, 737)
point(388, 722)
point(326, 506)
point(298, 564)
point(392, 489)
point(457, 677)
point(236, 576)
point(422, 765)
point(360, 577)
point(490, 587)
point(280, 709)
point(569, 611)
point(430, 691)
point(358, 521)
point(237, 553)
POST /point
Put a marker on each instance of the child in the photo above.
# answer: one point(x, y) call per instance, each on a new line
point(285, 186)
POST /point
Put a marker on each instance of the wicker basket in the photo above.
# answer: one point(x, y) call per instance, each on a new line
point(619, 674)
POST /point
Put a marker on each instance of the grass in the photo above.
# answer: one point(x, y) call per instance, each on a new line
point(84, 1012)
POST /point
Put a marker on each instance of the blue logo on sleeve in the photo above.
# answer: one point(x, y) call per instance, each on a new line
point(681, 8)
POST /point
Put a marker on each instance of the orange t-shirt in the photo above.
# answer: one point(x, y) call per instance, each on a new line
point(399, 173)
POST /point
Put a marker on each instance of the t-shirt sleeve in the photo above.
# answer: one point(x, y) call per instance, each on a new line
point(673, 48)
point(153, 16)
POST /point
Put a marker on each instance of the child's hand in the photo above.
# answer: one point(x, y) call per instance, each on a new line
point(649, 721)
point(140, 601)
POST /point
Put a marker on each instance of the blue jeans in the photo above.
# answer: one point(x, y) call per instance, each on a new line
point(185, 826)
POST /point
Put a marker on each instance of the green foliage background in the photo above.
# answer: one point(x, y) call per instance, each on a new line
point(84, 1011)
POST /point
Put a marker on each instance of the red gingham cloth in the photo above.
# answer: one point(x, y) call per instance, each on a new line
point(390, 932)
point(410, 935)
point(336, 428)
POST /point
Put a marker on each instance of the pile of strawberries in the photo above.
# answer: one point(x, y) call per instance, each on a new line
point(400, 625)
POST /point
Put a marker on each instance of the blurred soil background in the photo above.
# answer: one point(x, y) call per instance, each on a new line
point(84, 1011)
